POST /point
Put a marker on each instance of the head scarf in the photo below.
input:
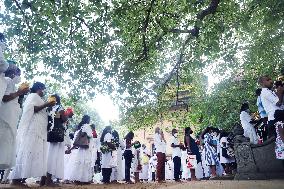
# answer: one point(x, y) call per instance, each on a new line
point(37, 86)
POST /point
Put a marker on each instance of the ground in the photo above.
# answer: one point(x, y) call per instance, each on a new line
point(224, 184)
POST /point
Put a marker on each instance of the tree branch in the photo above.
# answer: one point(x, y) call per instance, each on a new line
point(144, 29)
point(211, 9)
point(24, 15)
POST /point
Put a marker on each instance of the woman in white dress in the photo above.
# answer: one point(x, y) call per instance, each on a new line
point(145, 163)
point(117, 170)
point(80, 166)
point(80, 163)
point(106, 148)
point(247, 124)
point(56, 150)
point(9, 118)
point(136, 161)
point(3, 67)
point(32, 137)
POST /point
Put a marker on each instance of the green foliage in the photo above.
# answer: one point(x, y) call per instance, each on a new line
point(131, 49)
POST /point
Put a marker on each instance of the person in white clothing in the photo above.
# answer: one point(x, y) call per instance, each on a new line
point(9, 118)
point(247, 124)
point(145, 163)
point(31, 137)
point(56, 151)
point(81, 170)
point(3, 67)
point(106, 148)
point(160, 145)
point(271, 101)
point(177, 146)
point(225, 159)
point(153, 167)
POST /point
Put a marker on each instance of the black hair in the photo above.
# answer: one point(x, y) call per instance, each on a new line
point(129, 135)
point(278, 84)
point(244, 107)
point(115, 134)
point(206, 130)
point(224, 134)
point(173, 130)
point(106, 130)
point(71, 136)
point(57, 97)
point(258, 91)
point(85, 120)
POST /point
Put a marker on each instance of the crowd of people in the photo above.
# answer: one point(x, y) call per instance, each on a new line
point(269, 121)
point(36, 140)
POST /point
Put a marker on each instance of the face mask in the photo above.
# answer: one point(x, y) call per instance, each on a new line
point(16, 79)
point(175, 135)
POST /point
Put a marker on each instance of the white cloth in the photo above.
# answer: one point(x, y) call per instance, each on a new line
point(3, 64)
point(55, 159)
point(176, 150)
point(81, 160)
point(249, 130)
point(145, 164)
point(152, 166)
point(224, 144)
point(136, 159)
point(205, 167)
point(31, 141)
point(120, 169)
point(269, 100)
point(94, 147)
point(9, 118)
point(3, 67)
point(3, 85)
point(185, 169)
point(160, 145)
point(169, 170)
point(67, 158)
point(106, 157)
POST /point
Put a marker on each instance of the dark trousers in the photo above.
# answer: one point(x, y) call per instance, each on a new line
point(128, 159)
point(154, 176)
point(106, 172)
point(161, 166)
point(177, 165)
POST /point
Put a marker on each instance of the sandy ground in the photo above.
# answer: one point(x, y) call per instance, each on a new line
point(224, 184)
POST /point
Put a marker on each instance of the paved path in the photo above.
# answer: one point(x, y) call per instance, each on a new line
point(220, 184)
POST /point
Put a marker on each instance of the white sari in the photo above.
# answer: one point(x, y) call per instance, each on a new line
point(3, 68)
point(31, 141)
point(9, 117)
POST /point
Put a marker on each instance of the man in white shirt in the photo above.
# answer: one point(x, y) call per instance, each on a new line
point(160, 145)
point(271, 101)
point(176, 145)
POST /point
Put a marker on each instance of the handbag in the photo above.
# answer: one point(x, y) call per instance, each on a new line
point(82, 140)
point(55, 128)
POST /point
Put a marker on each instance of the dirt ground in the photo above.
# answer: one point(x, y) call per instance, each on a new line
point(220, 184)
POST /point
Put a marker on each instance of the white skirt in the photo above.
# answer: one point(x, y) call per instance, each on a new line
point(80, 165)
point(55, 159)
point(31, 160)
point(144, 173)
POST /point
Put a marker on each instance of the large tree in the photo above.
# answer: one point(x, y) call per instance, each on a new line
point(135, 49)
